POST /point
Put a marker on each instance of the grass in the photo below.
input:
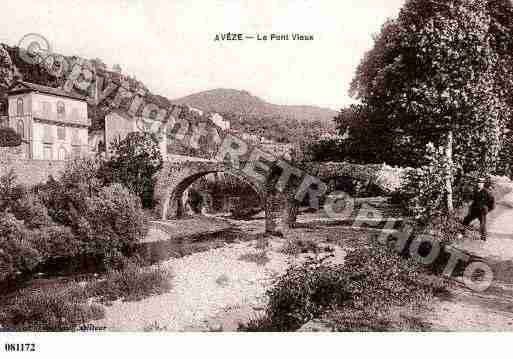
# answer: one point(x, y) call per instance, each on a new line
point(130, 284)
point(48, 311)
point(260, 258)
point(67, 307)
point(298, 246)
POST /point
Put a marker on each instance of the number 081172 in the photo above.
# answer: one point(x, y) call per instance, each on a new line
point(18, 347)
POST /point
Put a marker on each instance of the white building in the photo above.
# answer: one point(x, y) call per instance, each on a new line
point(219, 121)
point(53, 123)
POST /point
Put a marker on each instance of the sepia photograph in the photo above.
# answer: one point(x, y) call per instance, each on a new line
point(285, 166)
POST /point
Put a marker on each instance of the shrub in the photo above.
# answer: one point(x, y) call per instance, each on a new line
point(379, 277)
point(67, 196)
point(17, 256)
point(372, 280)
point(10, 191)
point(62, 200)
point(303, 293)
point(83, 174)
point(298, 246)
point(9, 137)
point(32, 211)
point(55, 242)
point(260, 257)
point(131, 284)
point(134, 162)
point(112, 221)
point(47, 311)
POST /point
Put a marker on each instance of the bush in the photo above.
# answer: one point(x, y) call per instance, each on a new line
point(32, 211)
point(55, 242)
point(62, 200)
point(372, 280)
point(67, 196)
point(10, 191)
point(302, 294)
point(134, 162)
point(131, 284)
point(48, 311)
point(112, 221)
point(105, 220)
point(17, 255)
point(298, 246)
point(379, 278)
point(9, 137)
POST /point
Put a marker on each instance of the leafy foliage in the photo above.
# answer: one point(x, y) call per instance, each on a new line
point(32, 211)
point(65, 218)
point(372, 280)
point(424, 188)
point(134, 162)
point(111, 221)
point(17, 254)
point(439, 66)
point(48, 311)
point(304, 292)
point(10, 191)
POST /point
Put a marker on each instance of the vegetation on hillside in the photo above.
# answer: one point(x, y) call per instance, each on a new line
point(242, 103)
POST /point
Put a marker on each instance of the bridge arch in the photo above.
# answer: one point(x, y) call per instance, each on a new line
point(175, 178)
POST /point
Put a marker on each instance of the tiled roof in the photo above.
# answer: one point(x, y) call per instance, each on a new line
point(45, 89)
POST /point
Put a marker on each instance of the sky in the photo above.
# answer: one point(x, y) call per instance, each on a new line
point(169, 45)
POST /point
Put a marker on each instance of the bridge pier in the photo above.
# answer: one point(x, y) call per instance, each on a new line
point(276, 214)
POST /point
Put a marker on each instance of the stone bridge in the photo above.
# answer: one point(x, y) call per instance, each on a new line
point(176, 177)
point(180, 172)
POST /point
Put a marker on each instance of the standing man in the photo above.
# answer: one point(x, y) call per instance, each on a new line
point(482, 203)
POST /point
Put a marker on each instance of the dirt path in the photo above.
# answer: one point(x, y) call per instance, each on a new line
point(491, 310)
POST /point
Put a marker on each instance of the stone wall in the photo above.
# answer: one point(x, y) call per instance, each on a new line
point(28, 172)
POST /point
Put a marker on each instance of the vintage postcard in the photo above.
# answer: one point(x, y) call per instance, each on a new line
point(244, 166)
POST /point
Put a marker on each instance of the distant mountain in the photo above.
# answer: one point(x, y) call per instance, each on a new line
point(244, 104)
point(246, 113)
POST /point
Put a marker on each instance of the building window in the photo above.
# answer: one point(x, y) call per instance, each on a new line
point(47, 134)
point(76, 151)
point(61, 110)
point(74, 115)
point(74, 136)
point(46, 109)
point(20, 128)
point(61, 133)
point(19, 107)
point(47, 152)
point(63, 154)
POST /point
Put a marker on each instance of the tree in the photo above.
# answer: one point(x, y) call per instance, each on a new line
point(438, 74)
point(134, 162)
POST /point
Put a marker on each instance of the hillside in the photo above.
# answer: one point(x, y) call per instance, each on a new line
point(244, 104)
point(247, 113)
